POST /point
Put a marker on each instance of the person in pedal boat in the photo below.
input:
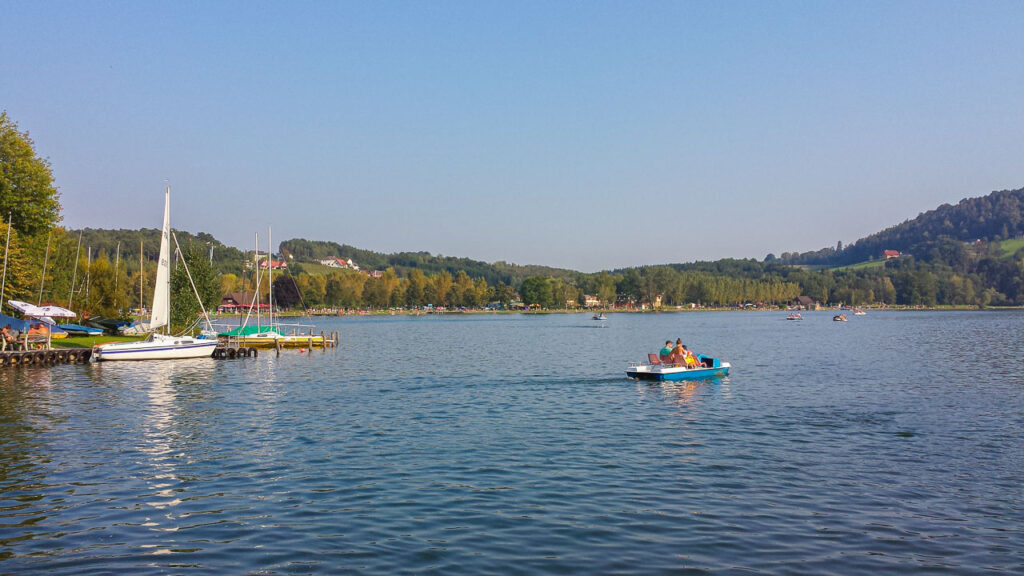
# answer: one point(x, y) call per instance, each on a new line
point(678, 355)
point(666, 352)
point(689, 357)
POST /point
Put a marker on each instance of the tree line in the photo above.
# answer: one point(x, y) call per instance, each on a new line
point(953, 256)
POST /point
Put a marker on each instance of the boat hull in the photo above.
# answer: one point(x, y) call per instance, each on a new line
point(662, 373)
point(160, 349)
point(709, 367)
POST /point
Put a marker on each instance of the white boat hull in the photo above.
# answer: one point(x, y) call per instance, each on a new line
point(157, 347)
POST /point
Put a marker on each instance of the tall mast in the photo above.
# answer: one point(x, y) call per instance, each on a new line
point(7, 244)
point(256, 278)
point(141, 277)
point(117, 264)
point(46, 260)
point(270, 278)
point(74, 274)
point(88, 274)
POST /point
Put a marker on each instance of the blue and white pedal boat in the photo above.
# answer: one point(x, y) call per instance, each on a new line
point(709, 367)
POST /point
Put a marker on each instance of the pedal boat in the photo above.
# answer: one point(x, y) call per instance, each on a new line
point(708, 367)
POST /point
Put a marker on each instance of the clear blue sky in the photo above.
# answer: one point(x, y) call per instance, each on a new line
point(586, 135)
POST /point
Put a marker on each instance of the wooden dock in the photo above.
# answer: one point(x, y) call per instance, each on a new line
point(49, 357)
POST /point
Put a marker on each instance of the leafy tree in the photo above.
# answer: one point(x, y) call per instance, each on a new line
point(108, 294)
point(27, 192)
point(504, 293)
point(536, 291)
point(286, 292)
point(229, 283)
point(313, 288)
point(439, 288)
point(18, 283)
point(184, 307)
point(605, 288)
point(483, 292)
point(416, 288)
point(378, 292)
point(463, 291)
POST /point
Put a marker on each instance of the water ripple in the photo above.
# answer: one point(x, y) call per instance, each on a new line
point(514, 445)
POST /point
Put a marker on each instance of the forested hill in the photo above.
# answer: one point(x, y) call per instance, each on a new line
point(127, 243)
point(998, 216)
point(301, 250)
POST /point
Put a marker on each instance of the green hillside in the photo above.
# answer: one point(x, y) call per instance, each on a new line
point(868, 265)
point(991, 219)
point(1012, 246)
point(309, 252)
point(953, 255)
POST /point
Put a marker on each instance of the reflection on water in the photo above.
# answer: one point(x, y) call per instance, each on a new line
point(515, 444)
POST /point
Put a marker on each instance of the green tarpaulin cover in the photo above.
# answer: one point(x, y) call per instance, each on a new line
point(246, 331)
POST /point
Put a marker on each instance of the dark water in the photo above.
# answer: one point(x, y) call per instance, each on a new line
point(891, 444)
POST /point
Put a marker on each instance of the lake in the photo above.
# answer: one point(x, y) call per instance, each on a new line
point(514, 444)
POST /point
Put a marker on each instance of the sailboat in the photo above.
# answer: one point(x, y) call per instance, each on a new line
point(159, 346)
point(269, 336)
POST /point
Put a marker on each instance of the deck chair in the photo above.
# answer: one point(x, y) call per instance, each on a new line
point(653, 359)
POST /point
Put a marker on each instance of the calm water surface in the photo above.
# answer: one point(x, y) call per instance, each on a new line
point(893, 443)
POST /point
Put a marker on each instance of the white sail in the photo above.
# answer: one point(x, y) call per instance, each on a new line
point(161, 315)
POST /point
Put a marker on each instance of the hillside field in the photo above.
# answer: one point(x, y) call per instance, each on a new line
point(1011, 246)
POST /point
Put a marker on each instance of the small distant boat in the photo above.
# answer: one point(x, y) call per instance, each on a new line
point(707, 367)
point(859, 312)
point(796, 316)
point(600, 317)
point(839, 318)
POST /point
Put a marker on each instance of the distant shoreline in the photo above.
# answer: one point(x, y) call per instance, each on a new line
point(606, 311)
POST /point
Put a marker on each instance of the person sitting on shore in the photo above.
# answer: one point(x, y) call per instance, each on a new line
point(666, 352)
point(8, 338)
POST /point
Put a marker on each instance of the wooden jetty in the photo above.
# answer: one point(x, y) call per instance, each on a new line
point(49, 357)
point(229, 348)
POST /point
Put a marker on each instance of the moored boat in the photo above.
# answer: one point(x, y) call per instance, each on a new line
point(160, 346)
point(707, 367)
point(271, 337)
point(79, 330)
point(157, 347)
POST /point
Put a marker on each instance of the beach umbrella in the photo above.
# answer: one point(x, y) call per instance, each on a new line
point(26, 308)
point(57, 312)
